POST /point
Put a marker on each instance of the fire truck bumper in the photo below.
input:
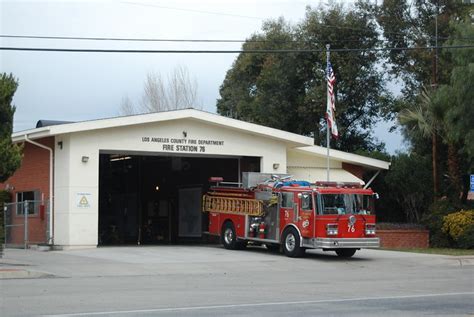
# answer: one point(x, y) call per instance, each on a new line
point(337, 243)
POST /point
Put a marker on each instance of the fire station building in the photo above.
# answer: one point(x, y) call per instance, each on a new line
point(140, 179)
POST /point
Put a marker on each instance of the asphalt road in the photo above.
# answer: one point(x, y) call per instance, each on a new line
point(211, 281)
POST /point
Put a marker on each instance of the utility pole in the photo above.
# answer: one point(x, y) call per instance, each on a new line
point(434, 85)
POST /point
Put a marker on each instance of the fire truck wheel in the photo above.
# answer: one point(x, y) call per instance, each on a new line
point(228, 237)
point(345, 253)
point(291, 243)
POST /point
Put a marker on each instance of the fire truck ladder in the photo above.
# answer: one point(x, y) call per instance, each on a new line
point(251, 207)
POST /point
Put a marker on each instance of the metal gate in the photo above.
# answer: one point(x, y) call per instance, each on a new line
point(26, 223)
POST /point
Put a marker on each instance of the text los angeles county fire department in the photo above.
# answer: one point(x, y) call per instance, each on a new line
point(182, 145)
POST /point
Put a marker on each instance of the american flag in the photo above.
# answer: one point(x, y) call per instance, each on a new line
point(331, 106)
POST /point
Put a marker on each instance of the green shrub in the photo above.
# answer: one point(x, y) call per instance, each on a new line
point(466, 239)
point(458, 226)
point(434, 222)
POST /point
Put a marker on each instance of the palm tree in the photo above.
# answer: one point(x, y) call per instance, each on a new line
point(427, 119)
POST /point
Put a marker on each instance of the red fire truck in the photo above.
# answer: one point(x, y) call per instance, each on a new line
point(293, 216)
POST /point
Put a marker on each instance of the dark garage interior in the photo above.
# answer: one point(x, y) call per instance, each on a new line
point(157, 199)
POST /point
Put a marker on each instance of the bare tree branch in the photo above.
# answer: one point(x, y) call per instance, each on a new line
point(179, 91)
point(126, 107)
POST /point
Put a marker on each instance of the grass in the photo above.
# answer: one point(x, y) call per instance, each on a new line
point(442, 251)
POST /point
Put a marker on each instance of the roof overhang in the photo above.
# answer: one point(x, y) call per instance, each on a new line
point(345, 157)
point(292, 139)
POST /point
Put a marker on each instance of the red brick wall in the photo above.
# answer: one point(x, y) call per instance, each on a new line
point(412, 238)
point(356, 170)
point(33, 175)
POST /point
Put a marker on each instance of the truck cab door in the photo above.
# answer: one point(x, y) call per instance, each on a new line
point(306, 212)
point(287, 202)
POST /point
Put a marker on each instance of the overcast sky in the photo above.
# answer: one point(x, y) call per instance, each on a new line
point(81, 86)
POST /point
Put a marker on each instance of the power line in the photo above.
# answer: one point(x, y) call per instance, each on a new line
point(283, 51)
point(162, 40)
point(119, 39)
point(248, 17)
point(194, 11)
point(115, 39)
point(185, 40)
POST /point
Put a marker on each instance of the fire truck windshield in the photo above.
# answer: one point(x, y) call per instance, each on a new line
point(342, 204)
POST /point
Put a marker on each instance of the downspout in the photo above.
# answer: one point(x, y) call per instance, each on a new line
point(51, 200)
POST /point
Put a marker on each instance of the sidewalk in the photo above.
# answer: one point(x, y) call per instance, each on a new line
point(159, 260)
point(129, 261)
point(14, 269)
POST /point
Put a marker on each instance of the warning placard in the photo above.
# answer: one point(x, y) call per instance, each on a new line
point(83, 200)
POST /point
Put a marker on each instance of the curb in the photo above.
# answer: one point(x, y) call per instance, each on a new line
point(20, 274)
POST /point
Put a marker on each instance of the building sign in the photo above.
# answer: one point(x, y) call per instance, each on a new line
point(182, 145)
point(83, 200)
point(472, 182)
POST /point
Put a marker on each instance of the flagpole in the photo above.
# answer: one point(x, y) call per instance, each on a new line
point(327, 116)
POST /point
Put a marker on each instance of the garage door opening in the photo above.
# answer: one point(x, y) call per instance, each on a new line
point(157, 199)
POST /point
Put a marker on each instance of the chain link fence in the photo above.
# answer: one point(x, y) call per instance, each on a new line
point(26, 223)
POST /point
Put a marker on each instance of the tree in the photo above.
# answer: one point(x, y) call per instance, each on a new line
point(126, 107)
point(447, 113)
point(406, 185)
point(457, 96)
point(178, 92)
point(288, 91)
point(407, 23)
point(422, 111)
point(10, 154)
point(427, 119)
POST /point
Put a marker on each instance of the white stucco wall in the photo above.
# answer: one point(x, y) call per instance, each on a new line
point(76, 225)
point(314, 168)
point(300, 159)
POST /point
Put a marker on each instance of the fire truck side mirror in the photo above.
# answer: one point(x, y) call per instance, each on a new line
point(376, 195)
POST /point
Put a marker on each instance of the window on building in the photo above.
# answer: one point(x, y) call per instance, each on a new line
point(27, 201)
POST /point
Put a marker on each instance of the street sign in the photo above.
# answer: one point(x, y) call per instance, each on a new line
point(472, 182)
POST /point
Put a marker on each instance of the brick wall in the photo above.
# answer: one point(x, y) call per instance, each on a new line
point(407, 238)
point(33, 175)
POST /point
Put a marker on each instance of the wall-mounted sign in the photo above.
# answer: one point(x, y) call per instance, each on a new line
point(83, 200)
point(182, 145)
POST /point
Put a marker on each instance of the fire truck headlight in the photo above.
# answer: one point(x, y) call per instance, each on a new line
point(369, 229)
point(331, 229)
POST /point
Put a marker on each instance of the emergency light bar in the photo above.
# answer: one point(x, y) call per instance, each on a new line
point(338, 184)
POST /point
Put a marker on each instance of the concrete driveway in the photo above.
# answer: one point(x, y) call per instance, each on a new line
point(209, 280)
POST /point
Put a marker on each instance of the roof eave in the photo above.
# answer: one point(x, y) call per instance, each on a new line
point(292, 139)
point(32, 134)
point(367, 162)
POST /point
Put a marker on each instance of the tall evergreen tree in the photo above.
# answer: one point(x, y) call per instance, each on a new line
point(10, 154)
point(418, 24)
point(457, 98)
